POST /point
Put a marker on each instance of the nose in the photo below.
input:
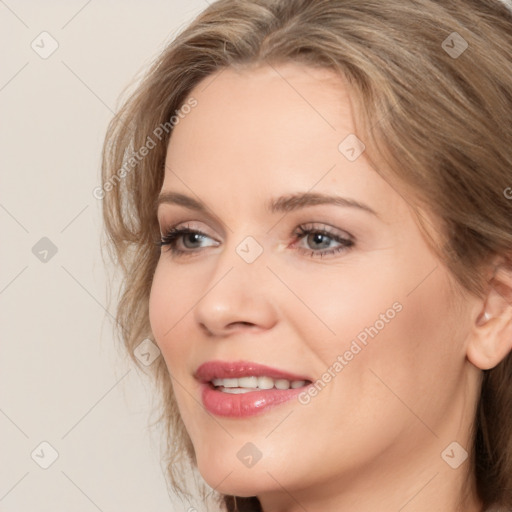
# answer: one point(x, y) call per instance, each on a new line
point(238, 297)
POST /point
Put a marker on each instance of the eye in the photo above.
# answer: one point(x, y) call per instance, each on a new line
point(322, 241)
point(186, 241)
point(190, 239)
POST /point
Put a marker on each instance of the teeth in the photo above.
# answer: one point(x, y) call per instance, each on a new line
point(282, 384)
point(246, 384)
point(265, 383)
point(236, 391)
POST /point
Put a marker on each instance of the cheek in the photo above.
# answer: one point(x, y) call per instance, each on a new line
point(340, 304)
point(389, 321)
point(169, 302)
point(159, 306)
point(417, 357)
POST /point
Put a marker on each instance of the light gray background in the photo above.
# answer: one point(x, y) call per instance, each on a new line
point(62, 380)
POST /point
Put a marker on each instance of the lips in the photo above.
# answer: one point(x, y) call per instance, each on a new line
point(236, 369)
point(242, 388)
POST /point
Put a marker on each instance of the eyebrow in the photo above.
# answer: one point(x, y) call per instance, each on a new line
point(284, 204)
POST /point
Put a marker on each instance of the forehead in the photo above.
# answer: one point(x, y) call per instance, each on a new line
point(270, 129)
point(268, 107)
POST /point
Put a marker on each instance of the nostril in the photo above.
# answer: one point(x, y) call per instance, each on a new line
point(234, 325)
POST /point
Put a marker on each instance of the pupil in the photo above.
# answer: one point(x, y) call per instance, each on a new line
point(192, 238)
point(318, 238)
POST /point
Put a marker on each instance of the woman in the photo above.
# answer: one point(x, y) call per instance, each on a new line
point(309, 203)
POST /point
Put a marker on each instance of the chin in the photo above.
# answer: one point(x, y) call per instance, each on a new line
point(229, 475)
point(243, 483)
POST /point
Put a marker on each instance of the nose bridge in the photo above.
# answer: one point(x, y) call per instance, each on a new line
point(244, 256)
point(237, 291)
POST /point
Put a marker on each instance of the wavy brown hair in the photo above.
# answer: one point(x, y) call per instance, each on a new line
point(441, 122)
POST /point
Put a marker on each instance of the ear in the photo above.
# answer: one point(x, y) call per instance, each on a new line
point(491, 334)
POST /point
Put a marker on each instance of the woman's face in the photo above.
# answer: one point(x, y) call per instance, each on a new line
point(333, 285)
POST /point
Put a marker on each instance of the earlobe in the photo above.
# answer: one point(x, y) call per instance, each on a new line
point(491, 336)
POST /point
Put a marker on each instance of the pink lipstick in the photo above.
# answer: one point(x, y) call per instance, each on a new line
point(241, 388)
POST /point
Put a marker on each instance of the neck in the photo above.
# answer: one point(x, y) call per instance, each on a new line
point(411, 477)
point(430, 486)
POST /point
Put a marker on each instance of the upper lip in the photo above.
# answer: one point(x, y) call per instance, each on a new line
point(210, 370)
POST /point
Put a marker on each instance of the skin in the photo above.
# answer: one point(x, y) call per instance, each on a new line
point(372, 439)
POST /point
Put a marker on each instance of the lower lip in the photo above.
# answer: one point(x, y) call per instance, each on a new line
point(244, 404)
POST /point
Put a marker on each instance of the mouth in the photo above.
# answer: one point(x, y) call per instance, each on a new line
point(252, 383)
point(242, 388)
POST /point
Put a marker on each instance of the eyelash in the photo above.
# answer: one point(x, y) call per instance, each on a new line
point(173, 234)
